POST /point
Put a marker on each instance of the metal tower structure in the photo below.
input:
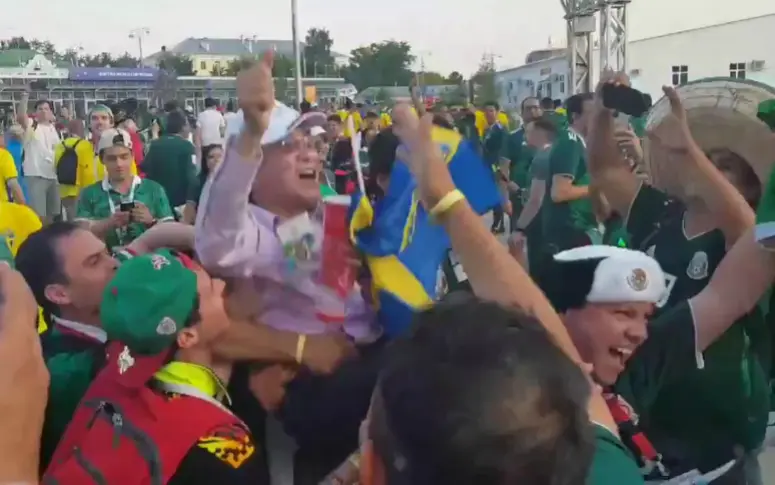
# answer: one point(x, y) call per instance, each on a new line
point(613, 34)
point(581, 18)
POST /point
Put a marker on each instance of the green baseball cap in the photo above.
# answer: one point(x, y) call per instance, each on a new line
point(766, 112)
point(150, 298)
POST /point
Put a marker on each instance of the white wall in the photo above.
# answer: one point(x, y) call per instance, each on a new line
point(706, 52)
point(550, 76)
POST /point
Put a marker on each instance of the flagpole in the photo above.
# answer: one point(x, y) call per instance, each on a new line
point(296, 52)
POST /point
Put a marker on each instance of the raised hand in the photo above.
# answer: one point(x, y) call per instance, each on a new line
point(255, 93)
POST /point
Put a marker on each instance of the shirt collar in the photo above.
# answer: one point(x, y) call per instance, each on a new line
point(107, 187)
point(265, 218)
point(186, 374)
point(90, 331)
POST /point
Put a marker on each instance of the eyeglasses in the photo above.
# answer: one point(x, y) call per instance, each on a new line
point(298, 142)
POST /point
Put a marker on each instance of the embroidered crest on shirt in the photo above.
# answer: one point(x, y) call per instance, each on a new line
point(698, 266)
point(125, 361)
point(158, 261)
point(167, 326)
point(230, 444)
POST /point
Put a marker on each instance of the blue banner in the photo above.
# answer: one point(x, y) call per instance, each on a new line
point(113, 74)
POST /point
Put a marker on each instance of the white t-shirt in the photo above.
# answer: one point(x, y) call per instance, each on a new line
point(39, 148)
point(230, 118)
point(210, 122)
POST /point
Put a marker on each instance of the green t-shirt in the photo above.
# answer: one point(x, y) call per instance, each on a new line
point(99, 201)
point(169, 162)
point(731, 391)
point(495, 145)
point(615, 233)
point(539, 171)
point(612, 463)
point(520, 156)
point(5, 252)
point(565, 224)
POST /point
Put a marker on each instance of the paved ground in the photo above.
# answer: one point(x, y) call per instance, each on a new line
point(767, 461)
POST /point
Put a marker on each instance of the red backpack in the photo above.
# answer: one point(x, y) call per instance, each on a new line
point(125, 433)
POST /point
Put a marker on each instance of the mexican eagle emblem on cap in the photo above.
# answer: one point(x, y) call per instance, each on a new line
point(638, 280)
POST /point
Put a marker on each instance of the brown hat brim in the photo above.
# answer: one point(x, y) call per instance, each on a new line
point(722, 113)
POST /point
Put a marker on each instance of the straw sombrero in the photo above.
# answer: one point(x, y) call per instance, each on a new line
point(722, 113)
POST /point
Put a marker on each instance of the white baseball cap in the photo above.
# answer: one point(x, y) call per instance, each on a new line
point(283, 122)
point(114, 137)
point(621, 275)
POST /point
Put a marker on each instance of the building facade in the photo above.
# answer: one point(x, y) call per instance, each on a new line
point(740, 49)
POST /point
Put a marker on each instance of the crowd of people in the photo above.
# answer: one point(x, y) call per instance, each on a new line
point(156, 308)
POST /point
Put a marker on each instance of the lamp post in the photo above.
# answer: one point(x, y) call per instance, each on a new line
point(296, 52)
point(139, 33)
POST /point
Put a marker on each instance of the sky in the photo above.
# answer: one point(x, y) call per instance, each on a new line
point(447, 34)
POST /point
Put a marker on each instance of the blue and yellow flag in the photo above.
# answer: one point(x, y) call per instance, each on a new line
point(403, 247)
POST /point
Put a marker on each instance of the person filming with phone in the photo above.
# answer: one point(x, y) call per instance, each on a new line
point(122, 206)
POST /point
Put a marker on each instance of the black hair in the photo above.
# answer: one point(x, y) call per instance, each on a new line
point(41, 264)
point(371, 115)
point(335, 117)
point(382, 157)
point(442, 122)
point(41, 102)
point(575, 105)
point(547, 103)
point(171, 106)
point(522, 104)
point(471, 404)
point(545, 124)
point(211, 103)
point(176, 122)
point(557, 103)
point(204, 172)
point(492, 104)
point(305, 106)
point(230, 105)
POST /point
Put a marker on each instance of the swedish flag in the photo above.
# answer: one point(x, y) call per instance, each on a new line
point(403, 247)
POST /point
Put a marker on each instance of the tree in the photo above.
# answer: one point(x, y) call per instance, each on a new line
point(431, 78)
point(456, 97)
point(281, 89)
point(380, 64)
point(14, 43)
point(179, 64)
point(317, 52)
point(236, 65)
point(103, 59)
point(125, 60)
point(485, 88)
point(455, 78)
point(283, 67)
point(218, 70)
point(44, 47)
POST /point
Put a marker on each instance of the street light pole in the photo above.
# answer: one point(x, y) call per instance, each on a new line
point(139, 34)
point(296, 51)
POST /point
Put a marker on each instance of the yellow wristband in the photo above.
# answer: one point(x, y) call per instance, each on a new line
point(446, 203)
point(300, 343)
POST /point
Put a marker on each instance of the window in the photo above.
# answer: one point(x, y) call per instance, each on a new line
point(737, 70)
point(562, 84)
point(202, 65)
point(680, 75)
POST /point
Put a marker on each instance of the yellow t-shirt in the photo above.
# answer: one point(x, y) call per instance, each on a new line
point(17, 222)
point(385, 120)
point(357, 121)
point(503, 118)
point(85, 153)
point(7, 172)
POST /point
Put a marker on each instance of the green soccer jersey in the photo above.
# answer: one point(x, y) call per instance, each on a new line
point(520, 156)
point(536, 252)
point(565, 224)
point(612, 463)
point(99, 201)
point(705, 413)
point(495, 145)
